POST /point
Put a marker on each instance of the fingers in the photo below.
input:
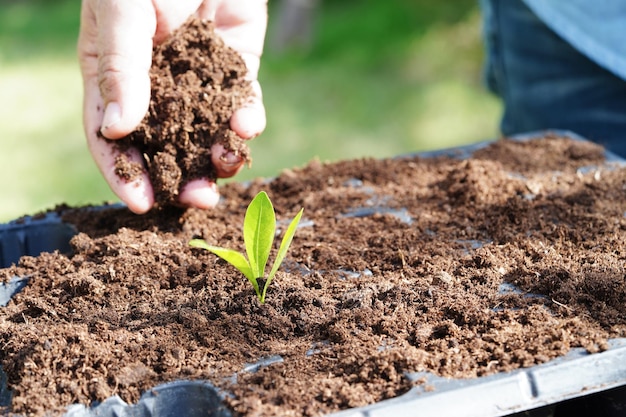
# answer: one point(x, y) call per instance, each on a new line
point(242, 25)
point(171, 15)
point(200, 193)
point(249, 121)
point(115, 53)
point(226, 163)
point(119, 58)
point(137, 194)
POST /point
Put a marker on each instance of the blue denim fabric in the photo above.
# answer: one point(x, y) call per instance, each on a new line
point(546, 83)
point(594, 27)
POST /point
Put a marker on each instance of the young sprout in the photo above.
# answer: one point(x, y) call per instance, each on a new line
point(259, 229)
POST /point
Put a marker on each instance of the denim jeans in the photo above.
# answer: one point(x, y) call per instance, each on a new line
point(545, 83)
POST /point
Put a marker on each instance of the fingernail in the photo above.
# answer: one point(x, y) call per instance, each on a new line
point(231, 159)
point(112, 115)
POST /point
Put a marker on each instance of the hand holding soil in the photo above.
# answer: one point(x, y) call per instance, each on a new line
point(116, 55)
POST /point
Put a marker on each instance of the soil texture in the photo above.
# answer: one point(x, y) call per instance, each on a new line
point(458, 267)
point(197, 83)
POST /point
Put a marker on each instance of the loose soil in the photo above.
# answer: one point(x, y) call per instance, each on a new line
point(197, 82)
point(461, 268)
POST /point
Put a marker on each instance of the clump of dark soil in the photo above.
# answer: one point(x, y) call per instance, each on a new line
point(197, 83)
point(461, 268)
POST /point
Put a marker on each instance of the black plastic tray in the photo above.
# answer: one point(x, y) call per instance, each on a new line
point(578, 384)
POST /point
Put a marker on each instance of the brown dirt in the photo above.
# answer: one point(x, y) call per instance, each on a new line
point(197, 83)
point(510, 259)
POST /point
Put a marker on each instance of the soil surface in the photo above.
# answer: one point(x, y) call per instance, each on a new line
point(461, 268)
point(197, 82)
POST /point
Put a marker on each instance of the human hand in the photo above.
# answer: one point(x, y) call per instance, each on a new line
point(115, 52)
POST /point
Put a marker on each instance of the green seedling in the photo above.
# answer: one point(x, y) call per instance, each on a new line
point(259, 229)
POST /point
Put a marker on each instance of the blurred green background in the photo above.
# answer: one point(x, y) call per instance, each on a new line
point(371, 78)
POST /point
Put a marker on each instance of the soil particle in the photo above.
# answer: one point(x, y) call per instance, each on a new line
point(448, 266)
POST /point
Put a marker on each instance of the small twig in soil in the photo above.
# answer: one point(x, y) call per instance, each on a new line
point(561, 305)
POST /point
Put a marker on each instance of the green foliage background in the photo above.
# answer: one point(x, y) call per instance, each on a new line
point(379, 79)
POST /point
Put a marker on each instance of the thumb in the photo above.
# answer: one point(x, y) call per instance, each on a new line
point(124, 56)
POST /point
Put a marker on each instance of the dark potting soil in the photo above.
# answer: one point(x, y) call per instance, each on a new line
point(197, 82)
point(461, 268)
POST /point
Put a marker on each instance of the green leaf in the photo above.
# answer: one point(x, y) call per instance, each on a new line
point(231, 256)
point(282, 251)
point(259, 226)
